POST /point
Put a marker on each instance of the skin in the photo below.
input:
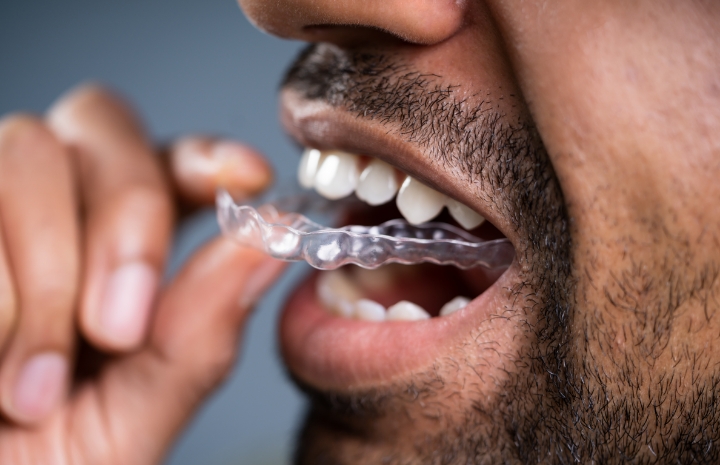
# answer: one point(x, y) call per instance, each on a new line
point(616, 360)
point(608, 351)
point(83, 193)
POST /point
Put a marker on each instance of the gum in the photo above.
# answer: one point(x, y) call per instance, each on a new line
point(281, 230)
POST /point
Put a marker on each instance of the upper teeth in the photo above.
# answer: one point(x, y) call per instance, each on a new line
point(467, 217)
point(378, 183)
point(335, 174)
point(308, 167)
point(418, 203)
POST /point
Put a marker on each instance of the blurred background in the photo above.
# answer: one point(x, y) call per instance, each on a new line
point(187, 66)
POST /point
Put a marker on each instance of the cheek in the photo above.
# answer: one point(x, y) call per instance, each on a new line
point(645, 267)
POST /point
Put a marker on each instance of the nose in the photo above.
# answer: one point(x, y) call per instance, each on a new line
point(415, 21)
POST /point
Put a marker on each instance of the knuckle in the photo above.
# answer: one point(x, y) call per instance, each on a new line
point(21, 129)
point(23, 136)
point(83, 100)
point(89, 92)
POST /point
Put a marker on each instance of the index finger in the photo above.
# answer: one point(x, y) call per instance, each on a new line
point(128, 215)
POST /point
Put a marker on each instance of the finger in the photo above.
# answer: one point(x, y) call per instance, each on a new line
point(192, 346)
point(8, 295)
point(39, 219)
point(200, 165)
point(128, 215)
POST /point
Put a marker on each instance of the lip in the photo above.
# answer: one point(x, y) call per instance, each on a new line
point(334, 353)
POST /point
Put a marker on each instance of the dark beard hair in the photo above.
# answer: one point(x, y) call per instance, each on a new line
point(559, 407)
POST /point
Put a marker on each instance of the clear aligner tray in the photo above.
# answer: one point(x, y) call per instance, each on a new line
point(280, 229)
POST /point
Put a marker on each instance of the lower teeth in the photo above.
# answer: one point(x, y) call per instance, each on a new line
point(340, 296)
point(406, 311)
point(458, 303)
point(369, 310)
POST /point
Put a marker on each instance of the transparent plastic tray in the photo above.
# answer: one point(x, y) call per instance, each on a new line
point(280, 229)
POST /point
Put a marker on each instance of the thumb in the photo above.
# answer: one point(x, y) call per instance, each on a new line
point(192, 346)
point(199, 165)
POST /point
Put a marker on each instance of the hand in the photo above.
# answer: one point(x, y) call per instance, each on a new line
point(102, 363)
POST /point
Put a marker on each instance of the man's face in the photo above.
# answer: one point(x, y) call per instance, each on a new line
point(586, 133)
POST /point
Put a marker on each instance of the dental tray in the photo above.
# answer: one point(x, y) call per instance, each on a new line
point(279, 229)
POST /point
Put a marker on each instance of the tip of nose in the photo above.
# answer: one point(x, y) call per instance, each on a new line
point(358, 21)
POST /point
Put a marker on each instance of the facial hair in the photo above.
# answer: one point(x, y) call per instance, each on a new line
point(556, 406)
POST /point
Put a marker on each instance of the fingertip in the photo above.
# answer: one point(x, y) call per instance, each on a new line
point(263, 277)
point(224, 280)
point(201, 165)
point(242, 167)
point(222, 258)
point(193, 342)
point(38, 388)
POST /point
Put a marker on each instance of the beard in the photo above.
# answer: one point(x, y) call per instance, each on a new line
point(558, 403)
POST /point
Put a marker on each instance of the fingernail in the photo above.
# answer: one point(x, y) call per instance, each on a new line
point(240, 167)
point(40, 386)
point(258, 282)
point(126, 305)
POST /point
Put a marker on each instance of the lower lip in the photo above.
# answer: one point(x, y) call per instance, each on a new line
point(334, 353)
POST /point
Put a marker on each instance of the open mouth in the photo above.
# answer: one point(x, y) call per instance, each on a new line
point(394, 292)
point(352, 328)
point(371, 237)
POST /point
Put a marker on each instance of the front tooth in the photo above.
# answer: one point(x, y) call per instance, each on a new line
point(377, 184)
point(454, 305)
point(338, 174)
point(369, 310)
point(467, 217)
point(309, 164)
point(418, 203)
point(406, 311)
point(337, 293)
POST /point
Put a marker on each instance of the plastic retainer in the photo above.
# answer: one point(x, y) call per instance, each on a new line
point(294, 237)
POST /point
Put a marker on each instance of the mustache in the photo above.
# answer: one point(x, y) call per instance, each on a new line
point(495, 153)
point(419, 106)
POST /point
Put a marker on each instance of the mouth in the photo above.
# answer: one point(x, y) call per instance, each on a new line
point(352, 328)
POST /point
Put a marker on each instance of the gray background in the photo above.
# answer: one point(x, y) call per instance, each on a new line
point(188, 66)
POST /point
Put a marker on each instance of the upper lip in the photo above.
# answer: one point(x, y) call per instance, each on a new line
point(317, 124)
